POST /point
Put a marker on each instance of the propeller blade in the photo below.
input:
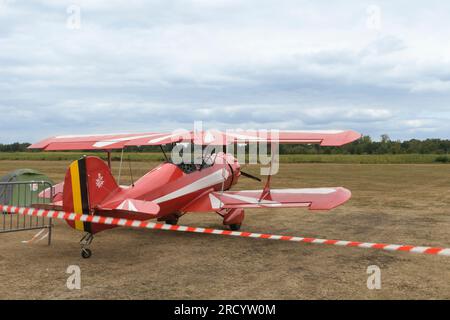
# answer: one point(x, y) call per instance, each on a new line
point(248, 175)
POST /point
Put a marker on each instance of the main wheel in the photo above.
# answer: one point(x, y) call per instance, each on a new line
point(235, 227)
point(172, 221)
point(86, 253)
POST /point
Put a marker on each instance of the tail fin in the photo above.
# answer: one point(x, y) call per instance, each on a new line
point(88, 182)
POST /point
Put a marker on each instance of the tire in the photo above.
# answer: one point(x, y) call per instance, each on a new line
point(172, 222)
point(86, 253)
point(235, 227)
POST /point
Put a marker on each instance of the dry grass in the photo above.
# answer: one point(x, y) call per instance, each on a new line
point(406, 204)
point(285, 158)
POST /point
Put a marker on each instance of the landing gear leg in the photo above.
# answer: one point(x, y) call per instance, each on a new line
point(85, 242)
point(233, 218)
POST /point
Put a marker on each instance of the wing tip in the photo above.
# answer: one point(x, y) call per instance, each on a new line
point(341, 139)
point(341, 196)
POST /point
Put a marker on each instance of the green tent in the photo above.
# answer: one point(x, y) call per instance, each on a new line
point(12, 192)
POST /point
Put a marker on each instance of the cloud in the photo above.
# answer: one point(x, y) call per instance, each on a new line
point(156, 65)
point(431, 86)
point(384, 45)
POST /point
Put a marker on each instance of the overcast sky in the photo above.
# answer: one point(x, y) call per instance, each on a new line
point(130, 66)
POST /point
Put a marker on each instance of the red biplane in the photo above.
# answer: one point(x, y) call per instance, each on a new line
point(173, 189)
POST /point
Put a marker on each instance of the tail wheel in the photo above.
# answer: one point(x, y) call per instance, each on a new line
point(235, 227)
point(86, 253)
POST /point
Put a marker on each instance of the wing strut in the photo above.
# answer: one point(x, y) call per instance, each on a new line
point(120, 167)
point(109, 159)
point(266, 191)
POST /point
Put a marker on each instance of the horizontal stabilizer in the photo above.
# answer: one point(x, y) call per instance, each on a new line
point(138, 209)
point(145, 209)
point(51, 192)
point(48, 206)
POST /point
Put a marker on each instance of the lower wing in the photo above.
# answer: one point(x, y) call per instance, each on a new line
point(313, 198)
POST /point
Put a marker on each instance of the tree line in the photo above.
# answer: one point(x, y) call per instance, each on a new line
point(365, 145)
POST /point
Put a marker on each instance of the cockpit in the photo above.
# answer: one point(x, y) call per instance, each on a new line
point(188, 167)
point(192, 163)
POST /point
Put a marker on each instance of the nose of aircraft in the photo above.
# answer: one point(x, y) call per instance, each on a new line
point(235, 166)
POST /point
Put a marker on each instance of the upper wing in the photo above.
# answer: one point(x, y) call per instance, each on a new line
point(210, 137)
point(313, 198)
point(92, 142)
point(324, 138)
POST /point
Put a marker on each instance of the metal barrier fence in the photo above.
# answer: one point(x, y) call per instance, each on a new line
point(24, 194)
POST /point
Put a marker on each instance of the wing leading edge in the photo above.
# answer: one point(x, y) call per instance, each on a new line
point(210, 137)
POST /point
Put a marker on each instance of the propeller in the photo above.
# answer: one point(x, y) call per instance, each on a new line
point(248, 175)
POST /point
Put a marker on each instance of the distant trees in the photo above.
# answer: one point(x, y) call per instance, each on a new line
point(14, 147)
point(365, 145)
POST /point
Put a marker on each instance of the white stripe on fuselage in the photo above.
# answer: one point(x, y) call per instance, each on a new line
point(205, 182)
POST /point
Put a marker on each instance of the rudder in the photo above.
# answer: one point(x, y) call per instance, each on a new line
point(88, 182)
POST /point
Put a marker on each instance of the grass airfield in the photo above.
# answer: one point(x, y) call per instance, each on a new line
point(391, 203)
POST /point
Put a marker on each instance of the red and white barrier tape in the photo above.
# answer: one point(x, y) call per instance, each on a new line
point(159, 226)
